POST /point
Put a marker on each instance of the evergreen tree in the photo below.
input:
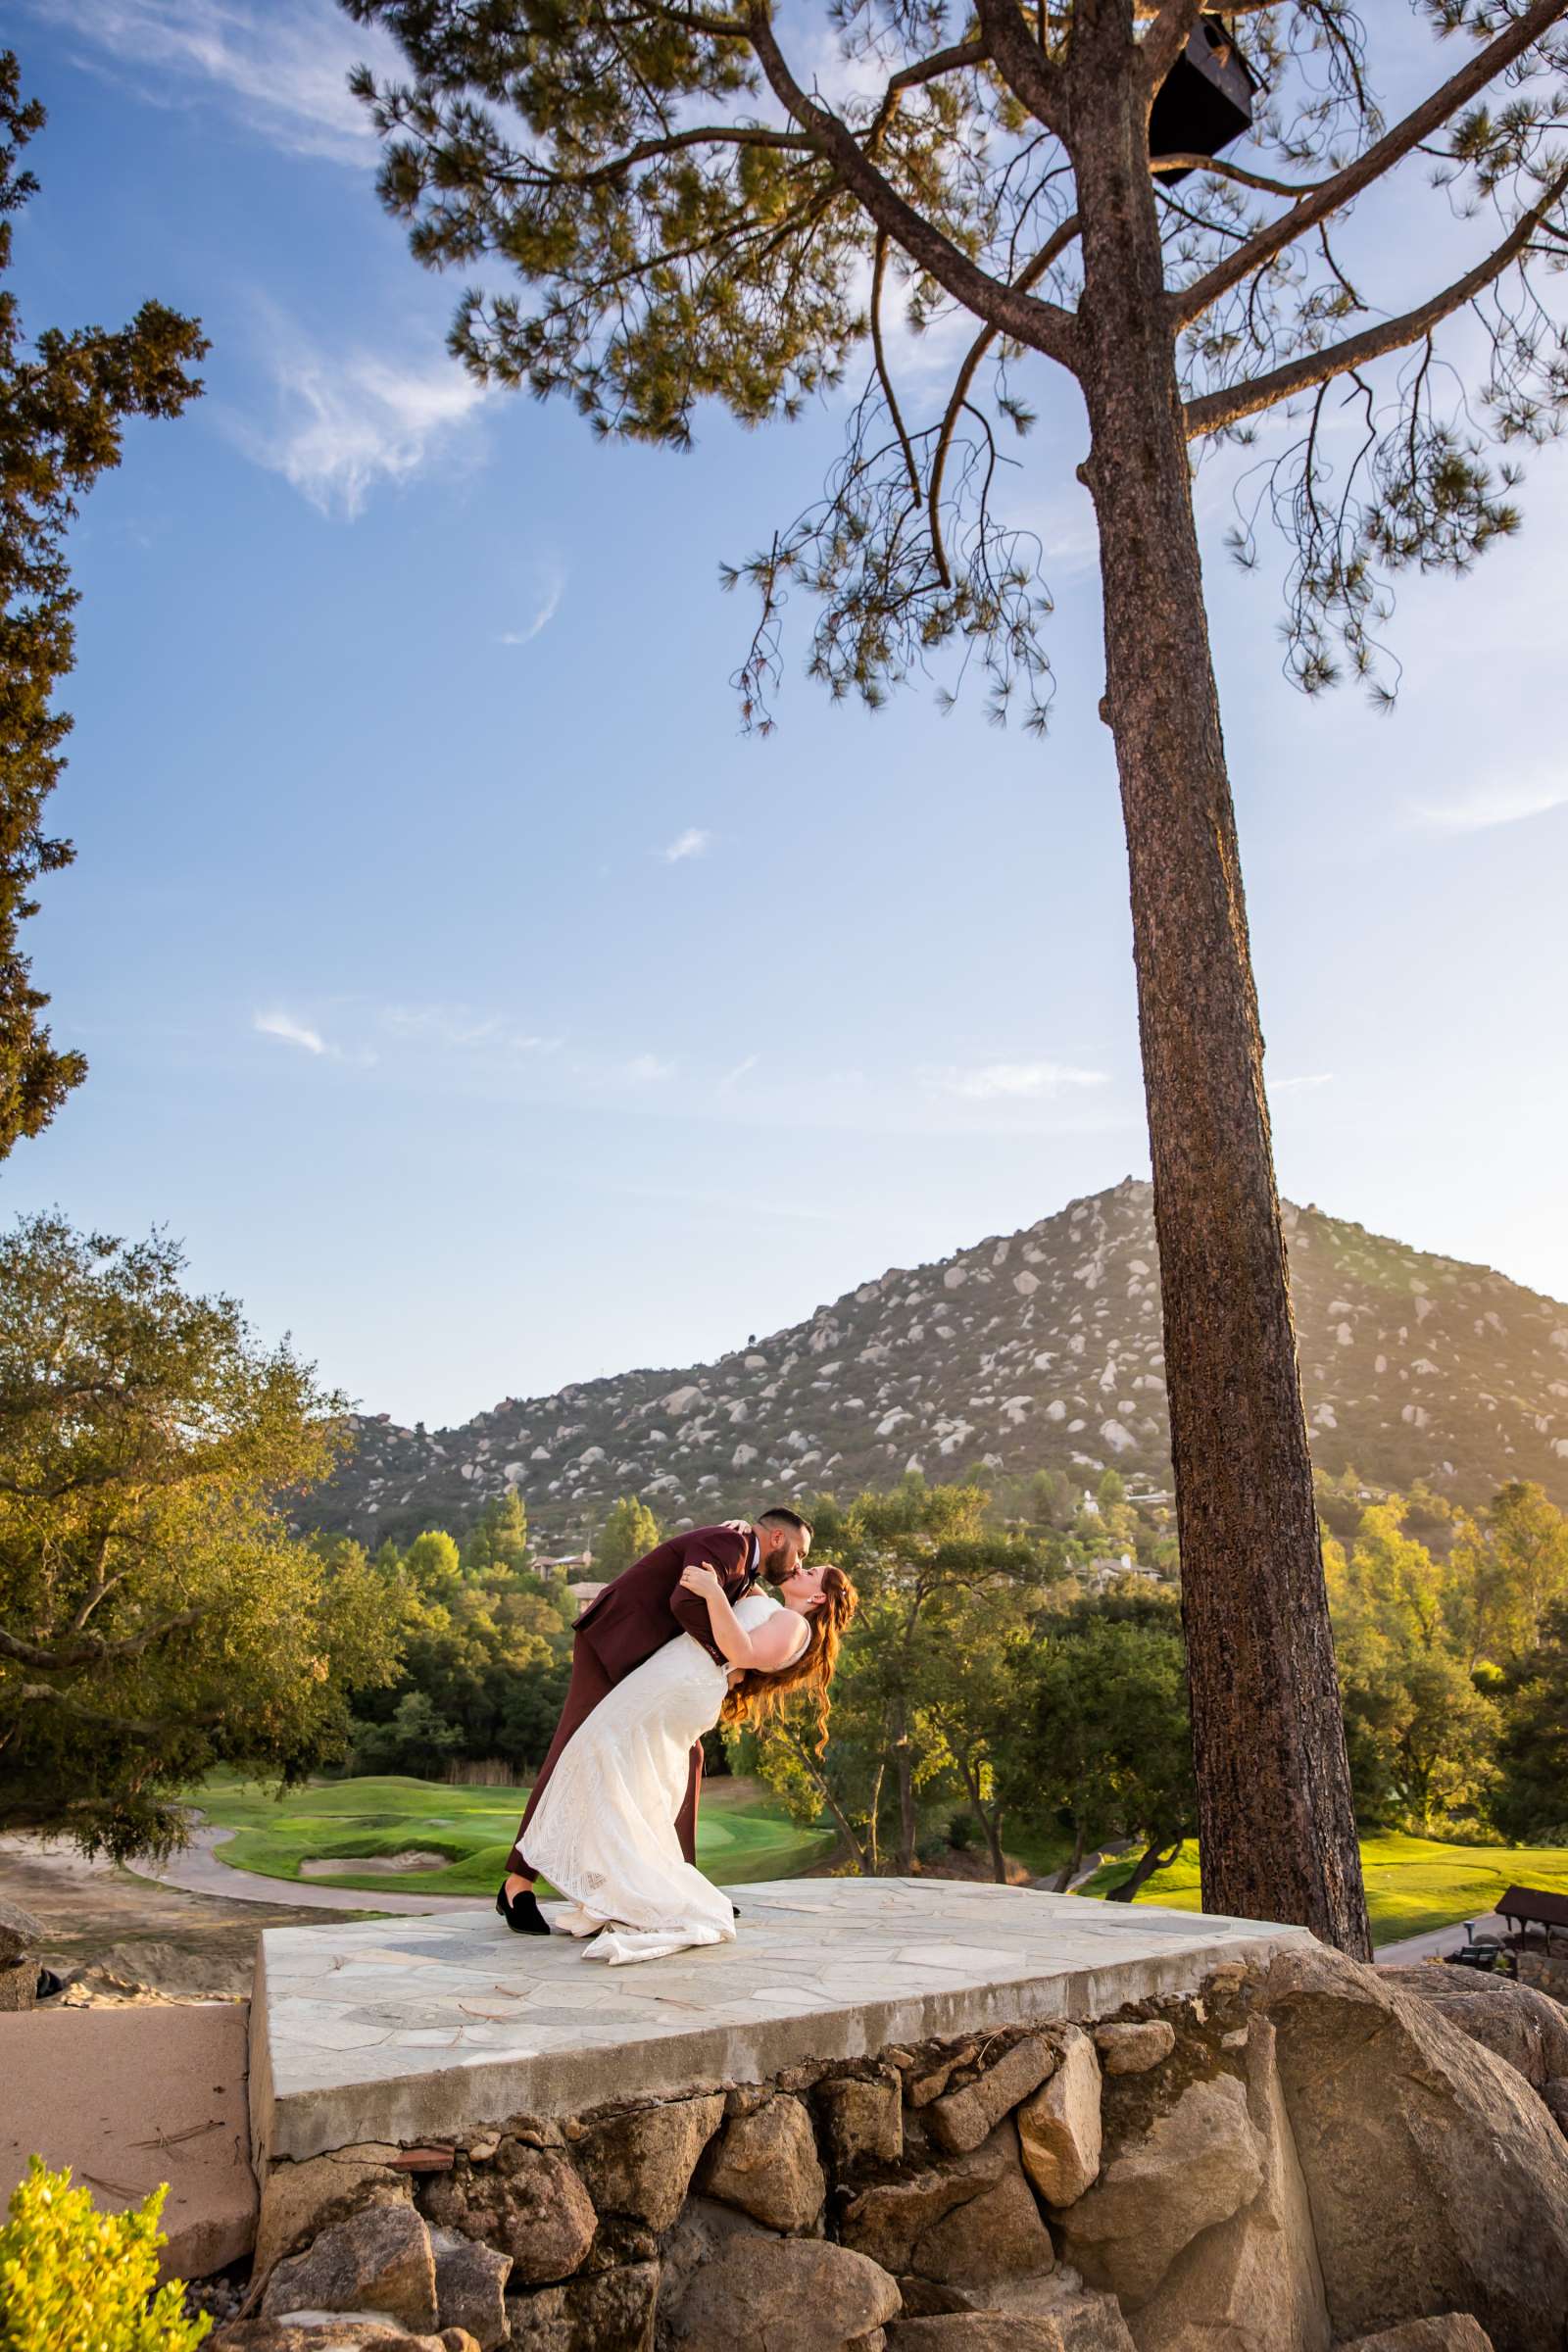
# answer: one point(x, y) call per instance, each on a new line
point(629, 1531)
point(698, 210)
point(1050, 1499)
point(1531, 1798)
point(62, 409)
point(434, 1565)
point(499, 1537)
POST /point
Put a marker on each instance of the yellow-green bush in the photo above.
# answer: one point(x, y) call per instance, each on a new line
point(74, 2280)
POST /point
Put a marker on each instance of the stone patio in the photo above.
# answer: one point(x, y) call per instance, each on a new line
point(430, 2029)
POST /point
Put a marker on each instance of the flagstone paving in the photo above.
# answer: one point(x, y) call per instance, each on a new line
point(428, 2029)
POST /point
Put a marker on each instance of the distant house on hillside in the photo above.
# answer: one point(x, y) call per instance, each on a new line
point(564, 1565)
point(583, 1594)
point(1106, 1569)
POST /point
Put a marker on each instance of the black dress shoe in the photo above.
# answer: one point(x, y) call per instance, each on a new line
point(522, 1912)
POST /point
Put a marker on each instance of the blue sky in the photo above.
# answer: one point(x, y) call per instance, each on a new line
point(481, 1005)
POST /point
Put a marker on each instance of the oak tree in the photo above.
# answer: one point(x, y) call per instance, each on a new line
point(721, 200)
point(158, 1617)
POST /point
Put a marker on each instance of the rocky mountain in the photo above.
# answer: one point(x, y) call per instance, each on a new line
point(1033, 1350)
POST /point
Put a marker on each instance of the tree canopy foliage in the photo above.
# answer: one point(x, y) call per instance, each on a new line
point(630, 1531)
point(724, 204)
point(64, 404)
point(157, 1617)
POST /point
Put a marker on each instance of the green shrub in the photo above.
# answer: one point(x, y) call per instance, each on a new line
point(73, 2280)
point(963, 1831)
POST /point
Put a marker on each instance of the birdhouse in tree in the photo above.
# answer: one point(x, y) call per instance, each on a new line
point(1204, 101)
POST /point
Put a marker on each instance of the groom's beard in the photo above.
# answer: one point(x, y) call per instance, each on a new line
point(777, 1570)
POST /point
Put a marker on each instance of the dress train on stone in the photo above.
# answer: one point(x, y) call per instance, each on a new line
point(605, 1831)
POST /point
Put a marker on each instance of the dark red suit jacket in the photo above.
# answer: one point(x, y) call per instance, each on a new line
point(645, 1606)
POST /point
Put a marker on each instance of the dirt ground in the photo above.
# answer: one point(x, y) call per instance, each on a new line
point(117, 1936)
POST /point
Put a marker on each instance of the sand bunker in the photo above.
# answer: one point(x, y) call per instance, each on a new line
point(343, 1866)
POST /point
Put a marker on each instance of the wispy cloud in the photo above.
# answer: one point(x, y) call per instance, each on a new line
point(1300, 1086)
point(457, 1029)
point(690, 844)
point(349, 424)
point(742, 1069)
point(278, 67)
point(1500, 800)
point(547, 606)
point(284, 1026)
point(1010, 1081)
point(644, 1070)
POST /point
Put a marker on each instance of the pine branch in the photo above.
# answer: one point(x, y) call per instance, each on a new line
point(1051, 252)
point(1021, 62)
point(1190, 302)
point(1043, 326)
point(1213, 411)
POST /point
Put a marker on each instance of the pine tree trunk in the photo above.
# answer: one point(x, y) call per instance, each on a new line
point(1275, 1817)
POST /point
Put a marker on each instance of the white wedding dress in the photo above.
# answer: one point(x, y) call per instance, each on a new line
point(605, 1831)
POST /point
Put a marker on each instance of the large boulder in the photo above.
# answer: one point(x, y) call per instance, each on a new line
point(377, 2261)
point(1251, 2283)
point(529, 2203)
point(1518, 2023)
point(779, 2295)
point(1060, 2126)
point(1063, 2316)
point(609, 2311)
point(967, 2219)
point(22, 1936)
point(334, 2332)
point(766, 2163)
point(1453, 2332)
point(1555, 2096)
point(961, 2119)
point(975, 2331)
point(640, 2163)
point(1195, 2166)
point(19, 1985)
point(1438, 2179)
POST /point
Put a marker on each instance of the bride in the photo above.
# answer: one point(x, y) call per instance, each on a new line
point(605, 1831)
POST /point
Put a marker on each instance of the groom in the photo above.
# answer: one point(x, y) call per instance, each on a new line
point(642, 1609)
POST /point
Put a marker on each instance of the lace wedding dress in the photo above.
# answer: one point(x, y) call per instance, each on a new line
point(605, 1831)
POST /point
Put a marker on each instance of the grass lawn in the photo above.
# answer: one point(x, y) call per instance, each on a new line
point(1412, 1883)
point(742, 1832)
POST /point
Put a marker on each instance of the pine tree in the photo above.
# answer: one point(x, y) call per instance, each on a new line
point(700, 208)
point(629, 1531)
point(62, 408)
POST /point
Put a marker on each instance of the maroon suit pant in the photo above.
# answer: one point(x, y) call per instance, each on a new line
point(588, 1686)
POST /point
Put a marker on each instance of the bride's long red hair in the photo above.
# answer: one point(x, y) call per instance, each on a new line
point(757, 1696)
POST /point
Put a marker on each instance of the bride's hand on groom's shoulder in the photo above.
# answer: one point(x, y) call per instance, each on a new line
point(699, 1578)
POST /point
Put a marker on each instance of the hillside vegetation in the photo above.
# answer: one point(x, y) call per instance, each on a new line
point(1034, 1350)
